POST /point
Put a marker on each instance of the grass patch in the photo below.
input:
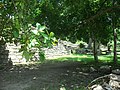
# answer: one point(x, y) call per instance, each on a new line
point(85, 58)
point(73, 58)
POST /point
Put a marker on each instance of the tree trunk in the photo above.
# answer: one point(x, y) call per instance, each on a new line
point(90, 43)
point(95, 50)
point(115, 46)
point(115, 36)
point(99, 49)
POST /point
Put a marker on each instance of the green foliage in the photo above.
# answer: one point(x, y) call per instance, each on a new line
point(17, 18)
point(79, 19)
point(81, 43)
point(37, 38)
point(67, 19)
point(16, 33)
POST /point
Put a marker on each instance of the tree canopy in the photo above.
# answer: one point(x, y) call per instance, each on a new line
point(78, 19)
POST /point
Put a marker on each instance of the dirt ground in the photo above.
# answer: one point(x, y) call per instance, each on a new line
point(47, 76)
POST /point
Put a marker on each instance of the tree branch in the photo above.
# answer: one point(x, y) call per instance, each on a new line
point(101, 6)
point(101, 13)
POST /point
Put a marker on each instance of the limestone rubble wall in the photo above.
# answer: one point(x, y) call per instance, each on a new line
point(11, 51)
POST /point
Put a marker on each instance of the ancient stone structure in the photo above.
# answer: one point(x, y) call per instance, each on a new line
point(11, 51)
point(62, 48)
point(3, 54)
point(14, 53)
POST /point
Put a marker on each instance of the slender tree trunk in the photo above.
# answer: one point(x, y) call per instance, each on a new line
point(90, 43)
point(115, 46)
point(99, 50)
point(95, 50)
point(115, 36)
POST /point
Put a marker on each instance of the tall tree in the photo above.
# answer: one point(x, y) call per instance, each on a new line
point(114, 32)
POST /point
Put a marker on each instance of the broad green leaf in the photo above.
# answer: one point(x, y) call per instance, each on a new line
point(45, 40)
point(22, 5)
point(35, 32)
point(17, 24)
point(45, 36)
point(42, 28)
point(26, 55)
point(38, 11)
point(51, 34)
point(16, 33)
point(38, 26)
point(42, 56)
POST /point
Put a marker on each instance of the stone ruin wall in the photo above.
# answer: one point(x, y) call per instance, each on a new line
point(14, 53)
point(3, 54)
point(11, 51)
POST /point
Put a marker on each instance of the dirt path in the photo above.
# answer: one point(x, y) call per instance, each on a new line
point(48, 76)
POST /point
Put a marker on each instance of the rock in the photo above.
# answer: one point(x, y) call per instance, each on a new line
point(114, 81)
point(106, 86)
point(34, 78)
point(113, 77)
point(92, 69)
point(105, 69)
point(107, 82)
point(116, 71)
point(97, 87)
point(114, 84)
point(62, 88)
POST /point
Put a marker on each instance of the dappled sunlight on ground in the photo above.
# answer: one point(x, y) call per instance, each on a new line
point(72, 57)
point(84, 58)
point(47, 76)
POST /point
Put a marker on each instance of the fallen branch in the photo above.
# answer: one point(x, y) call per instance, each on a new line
point(98, 79)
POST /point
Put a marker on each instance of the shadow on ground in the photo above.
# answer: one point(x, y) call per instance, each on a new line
point(71, 75)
